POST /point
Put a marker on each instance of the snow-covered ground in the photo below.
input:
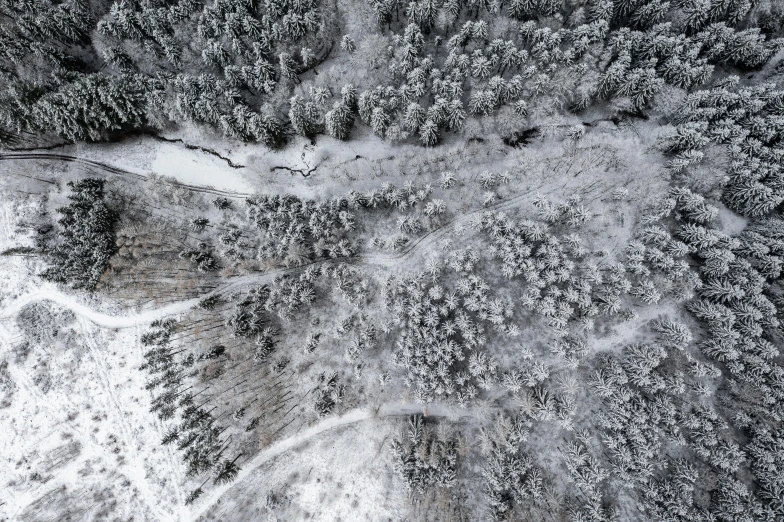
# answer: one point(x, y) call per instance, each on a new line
point(208, 161)
point(91, 390)
point(83, 393)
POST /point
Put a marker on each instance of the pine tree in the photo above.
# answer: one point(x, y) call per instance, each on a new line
point(428, 133)
point(227, 471)
point(304, 117)
point(288, 67)
point(87, 237)
point(414, 117)
point(339, 120)
point(347, 44)
point(380, 120)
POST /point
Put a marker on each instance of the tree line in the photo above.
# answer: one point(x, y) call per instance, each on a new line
point(89, 72)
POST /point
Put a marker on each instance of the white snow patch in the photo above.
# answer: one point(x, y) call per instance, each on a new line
point(197, 168)
point(731, 223)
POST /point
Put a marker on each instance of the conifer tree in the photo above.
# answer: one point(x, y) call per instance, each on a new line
point(86, 238)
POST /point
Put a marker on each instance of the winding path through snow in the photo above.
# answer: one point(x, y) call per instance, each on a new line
point(142, 318)
point(350, 417)
point(99, 318)
point(422, 244)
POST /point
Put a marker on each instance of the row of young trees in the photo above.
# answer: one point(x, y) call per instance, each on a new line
point(300, 231)
point(425, 460)
point(513, 483)
point(195, 429)
point(651, 408)
point(735, 299)
point(589, 477)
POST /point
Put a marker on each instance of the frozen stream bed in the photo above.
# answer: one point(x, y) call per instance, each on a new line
point(242, 168)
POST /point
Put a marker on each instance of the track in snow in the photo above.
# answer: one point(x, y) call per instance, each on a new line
point(423, 243)
point(350, 417)
point(115, 170)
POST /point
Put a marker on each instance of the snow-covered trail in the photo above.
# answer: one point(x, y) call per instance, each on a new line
point(99, 318)
point(105, 320)
point(134, 464)
point(424, 243)
point(350, 417)
point(7, 156)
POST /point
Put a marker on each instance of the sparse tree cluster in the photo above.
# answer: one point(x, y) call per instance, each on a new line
point(196, 432)
point(250, 321)
point(513, 483)
point(299, 231)
point(329, 394)
point(201, 258)
point(589, 476)
point(423, 459)
point(289, 293)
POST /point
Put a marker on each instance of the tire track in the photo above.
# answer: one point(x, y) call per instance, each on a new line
point(350, 417)
point(136, 472)
point(422, 244)
point(117, 170)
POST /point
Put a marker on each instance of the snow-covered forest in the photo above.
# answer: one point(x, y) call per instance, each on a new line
point(392, 260)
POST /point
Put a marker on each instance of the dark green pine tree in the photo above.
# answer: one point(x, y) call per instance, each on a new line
point(87, 238)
